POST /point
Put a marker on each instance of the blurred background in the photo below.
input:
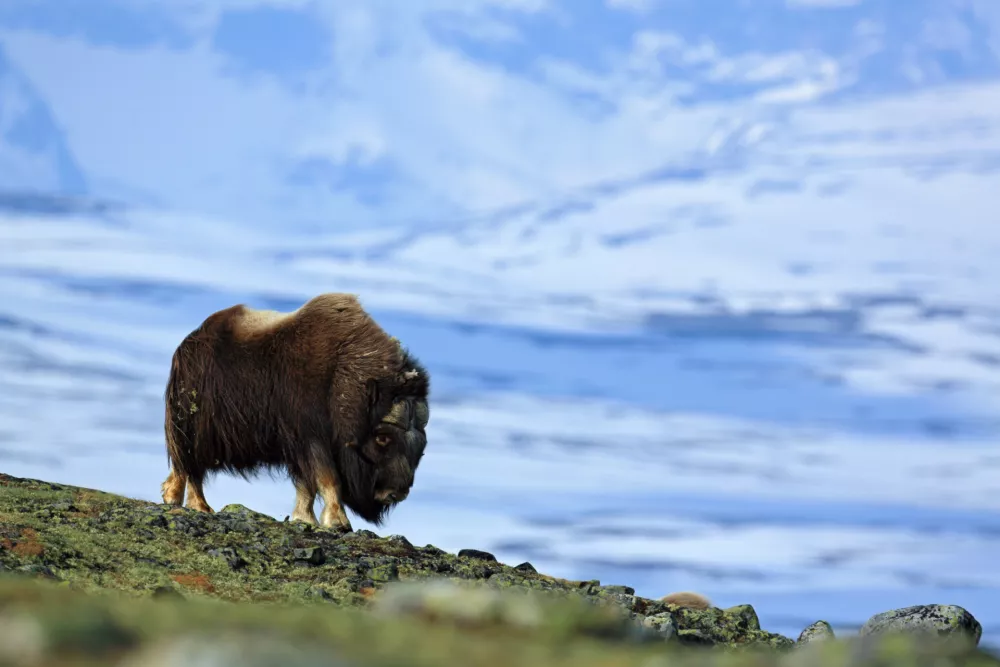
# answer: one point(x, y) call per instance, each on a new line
point(707, 288)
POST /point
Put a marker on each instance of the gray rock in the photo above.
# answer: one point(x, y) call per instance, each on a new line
point(400, 539)
point(231, 651)
point(310, 555)
point(22, 640)
point(477, 554)
point(464, 604)
point(747, 614)
point(614, 588)
point(818, 631)
point(469, 604)
point(233, 559)
point(942, 620)
point(27, 638)
point(662, 624)
point(245, 512)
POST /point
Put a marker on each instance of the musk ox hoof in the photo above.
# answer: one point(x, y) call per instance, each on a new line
point(335, 519)
point(340, 529)
point(201, 507)
point(305, 518)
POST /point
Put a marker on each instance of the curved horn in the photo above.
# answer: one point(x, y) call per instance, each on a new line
point(423, 413)
point(397, 415)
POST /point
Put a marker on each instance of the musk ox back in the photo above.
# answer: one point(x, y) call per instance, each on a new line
point(322, 392)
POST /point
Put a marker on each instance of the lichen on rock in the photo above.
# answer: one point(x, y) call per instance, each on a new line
point(948, 622)
point(86, 572)
point(816, 632)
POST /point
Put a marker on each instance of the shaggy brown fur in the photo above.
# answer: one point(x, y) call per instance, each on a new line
point(322, 392)
point(687, 599)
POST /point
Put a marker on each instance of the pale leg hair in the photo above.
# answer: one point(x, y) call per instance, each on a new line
point(172, 488)
point(196, 496)
point(328, 484)
point(305, 497)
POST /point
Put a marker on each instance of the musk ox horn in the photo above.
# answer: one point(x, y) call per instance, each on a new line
point(397, 415)
point(423, 413)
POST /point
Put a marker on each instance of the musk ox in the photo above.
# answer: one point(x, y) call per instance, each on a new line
point(322, 393)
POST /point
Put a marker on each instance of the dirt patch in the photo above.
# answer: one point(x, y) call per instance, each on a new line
point(197, 581)
point(27, 545)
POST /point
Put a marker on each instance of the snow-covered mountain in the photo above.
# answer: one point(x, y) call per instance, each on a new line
point(34, 154)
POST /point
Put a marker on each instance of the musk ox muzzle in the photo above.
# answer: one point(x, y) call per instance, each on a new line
point(393, 480)
point(408, 418)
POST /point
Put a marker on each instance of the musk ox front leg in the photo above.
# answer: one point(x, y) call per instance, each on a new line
point(305, 497)
point(328, 483)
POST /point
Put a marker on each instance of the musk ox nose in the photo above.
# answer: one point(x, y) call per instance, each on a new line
point(390, 496)
point(398, 496)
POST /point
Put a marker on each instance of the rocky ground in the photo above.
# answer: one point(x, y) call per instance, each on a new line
point(94, 578)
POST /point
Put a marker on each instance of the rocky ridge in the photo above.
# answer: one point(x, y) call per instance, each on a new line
point(131, 562)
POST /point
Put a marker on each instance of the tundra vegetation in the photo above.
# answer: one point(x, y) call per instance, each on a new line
point(91, 578)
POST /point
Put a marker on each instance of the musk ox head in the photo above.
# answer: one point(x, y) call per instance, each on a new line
point(384, 464)
point(397, 446)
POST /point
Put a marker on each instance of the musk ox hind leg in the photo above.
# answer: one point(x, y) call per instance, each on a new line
point(328, 483)
point(305, 498)
point(173, 488)
point(196, 496)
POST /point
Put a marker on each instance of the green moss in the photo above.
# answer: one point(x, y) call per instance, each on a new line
point(112, 577)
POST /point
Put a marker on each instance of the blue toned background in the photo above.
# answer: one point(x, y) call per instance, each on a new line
point(709, 290)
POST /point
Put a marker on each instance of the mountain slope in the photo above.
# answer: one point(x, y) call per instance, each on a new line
point(34, 154)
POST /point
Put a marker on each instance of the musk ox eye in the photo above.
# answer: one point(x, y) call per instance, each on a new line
point(382, 439)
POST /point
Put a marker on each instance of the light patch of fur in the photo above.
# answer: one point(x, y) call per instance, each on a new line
point(253, 322)
point(260, 321)
point(688, 599)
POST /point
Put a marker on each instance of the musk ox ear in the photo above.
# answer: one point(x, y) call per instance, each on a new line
point(379, 401)
point(373, 391)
